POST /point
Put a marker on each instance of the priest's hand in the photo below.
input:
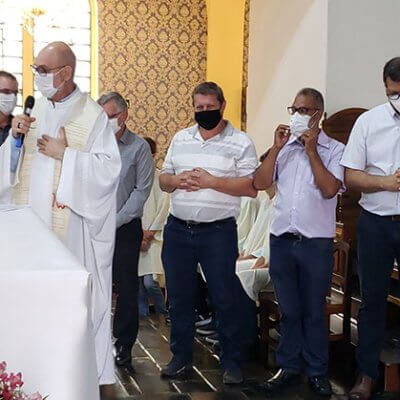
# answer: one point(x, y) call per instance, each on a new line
point(21, 124)
point(149, 235)
point(145, 245)
point(51, 147)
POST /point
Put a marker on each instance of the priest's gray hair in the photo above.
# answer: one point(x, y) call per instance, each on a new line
point(119, 100)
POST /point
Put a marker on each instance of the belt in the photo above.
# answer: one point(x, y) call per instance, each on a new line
point(389, 217)
point(394, 217)
point(292, 236)
point(197, 224)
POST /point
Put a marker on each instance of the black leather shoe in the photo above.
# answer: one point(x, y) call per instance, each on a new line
point(280, 380)
point(320, 385)
point(124, 356)
point(175, 368)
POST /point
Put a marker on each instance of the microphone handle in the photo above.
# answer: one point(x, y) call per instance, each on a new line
point(21, 138)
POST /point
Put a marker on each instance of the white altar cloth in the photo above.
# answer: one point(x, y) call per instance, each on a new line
point(45, 319)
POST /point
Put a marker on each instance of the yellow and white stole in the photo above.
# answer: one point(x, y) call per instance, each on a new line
point(79, 125)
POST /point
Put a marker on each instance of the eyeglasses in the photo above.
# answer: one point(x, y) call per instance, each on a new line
point(394, 96)
point(301, 110)
point(8, 91)
point(42, 71)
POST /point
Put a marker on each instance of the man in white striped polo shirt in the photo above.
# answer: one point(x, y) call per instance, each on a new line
point(207, 168)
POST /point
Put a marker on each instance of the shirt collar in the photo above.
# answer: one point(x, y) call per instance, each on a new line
point(126, 137)
point(392, 111)
point(66, 101)
point(323, 140)
point(227, 131)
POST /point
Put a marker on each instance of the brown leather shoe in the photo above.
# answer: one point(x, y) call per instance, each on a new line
point(363, 388)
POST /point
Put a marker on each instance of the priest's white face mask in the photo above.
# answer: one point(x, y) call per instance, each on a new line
point(7, 103)
point(45, 84)
point(114, 124)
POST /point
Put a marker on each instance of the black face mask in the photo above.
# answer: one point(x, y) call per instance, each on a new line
point(208, 119)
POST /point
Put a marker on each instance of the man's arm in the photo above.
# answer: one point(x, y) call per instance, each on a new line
point(264, 176)
point(20, 125)
point(168, 182)
point(366, 183)
point(326, 182)
point(144, 180)
point(201, 179)
point(234, 186)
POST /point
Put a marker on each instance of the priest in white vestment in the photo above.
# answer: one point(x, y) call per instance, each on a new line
point(151, 271)
point(245, 221)
point(256, 237)
point(67, 170)
point(252, 265)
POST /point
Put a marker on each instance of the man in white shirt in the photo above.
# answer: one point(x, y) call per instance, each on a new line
point(372, 161)
point(207, 168)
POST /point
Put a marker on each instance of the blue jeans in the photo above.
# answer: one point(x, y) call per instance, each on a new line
point(148, 287)
point(215, 247)
point(301, 272)
point(378, 246)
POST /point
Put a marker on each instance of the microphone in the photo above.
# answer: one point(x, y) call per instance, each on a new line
point(28, 106)
point(29, 103)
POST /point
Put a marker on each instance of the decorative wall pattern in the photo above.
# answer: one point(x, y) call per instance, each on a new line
point(245, 64)
point(154, 53)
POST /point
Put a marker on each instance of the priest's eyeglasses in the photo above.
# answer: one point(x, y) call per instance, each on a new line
point(301, 110)
point(42, 71)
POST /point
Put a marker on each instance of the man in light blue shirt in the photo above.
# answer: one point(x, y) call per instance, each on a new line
point(305, 165)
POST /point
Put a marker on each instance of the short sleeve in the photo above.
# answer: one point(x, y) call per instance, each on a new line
point(168, 167)
point(247, 163)
point(355, 155)
point(334, 166)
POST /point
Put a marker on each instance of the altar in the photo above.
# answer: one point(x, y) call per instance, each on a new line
point(45, 321)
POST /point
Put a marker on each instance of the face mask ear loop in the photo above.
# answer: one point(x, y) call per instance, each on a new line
point(312, 116)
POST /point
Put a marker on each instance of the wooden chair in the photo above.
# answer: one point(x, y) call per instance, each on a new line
point(338, 303)
point(338, 126)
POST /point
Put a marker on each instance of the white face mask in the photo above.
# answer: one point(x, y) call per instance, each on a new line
point(395, 104)
point(7, 103)
point(45, 84)
point(299, 124)
point(114, 125)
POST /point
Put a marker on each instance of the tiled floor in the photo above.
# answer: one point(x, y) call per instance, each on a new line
point(151, 352)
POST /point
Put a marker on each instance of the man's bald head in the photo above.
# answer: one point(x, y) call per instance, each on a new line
point(57, 62)
point(55, 55)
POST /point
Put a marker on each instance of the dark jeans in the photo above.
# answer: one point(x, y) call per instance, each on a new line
point(378, 246)
point(214, 246)
point(149, 288)
point(126, 282)
point(301, 271)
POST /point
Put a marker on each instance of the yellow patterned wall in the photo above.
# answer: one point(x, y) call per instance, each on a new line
point(153, 52)
point(245, 77)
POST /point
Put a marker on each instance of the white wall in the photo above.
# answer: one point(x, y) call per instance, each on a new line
point(287, 51)
point(336, 46)
point(362, 36)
